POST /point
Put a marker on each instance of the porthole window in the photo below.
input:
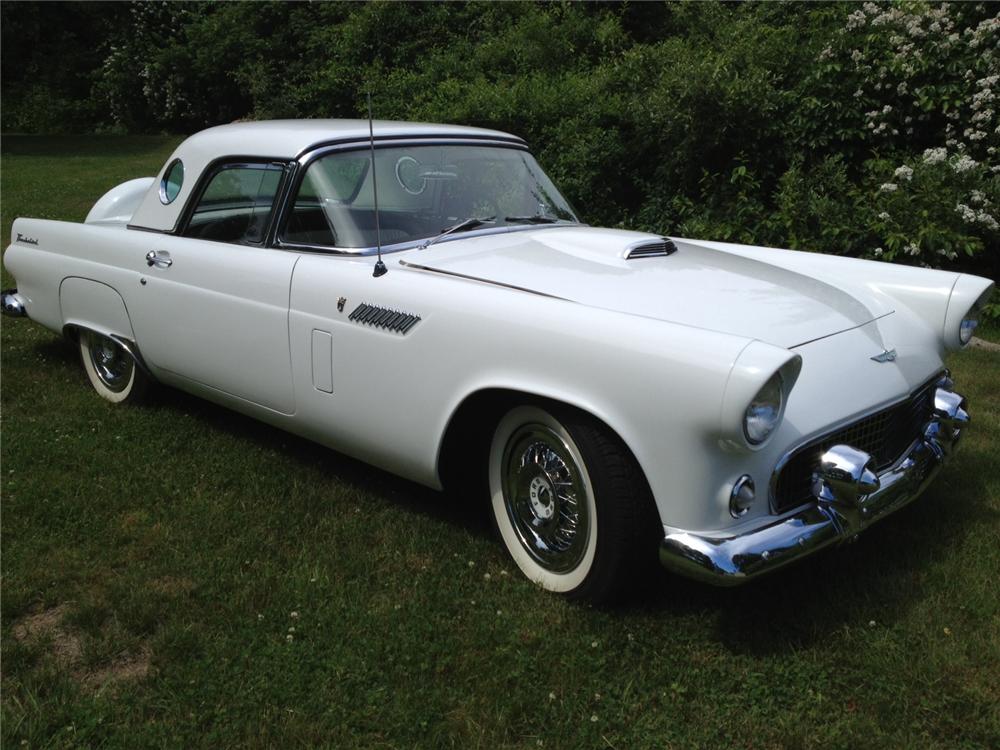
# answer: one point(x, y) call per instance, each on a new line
point(170, 186)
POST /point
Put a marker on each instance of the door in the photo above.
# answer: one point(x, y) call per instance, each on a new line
point(213, 303)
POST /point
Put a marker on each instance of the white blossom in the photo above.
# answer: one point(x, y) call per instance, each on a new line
point(904, 173)
point(887, 187)
point(935, 155)
point(965, 212)
point(964, 163)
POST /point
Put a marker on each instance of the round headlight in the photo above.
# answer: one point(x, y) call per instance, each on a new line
point(968, 326)
point(764, 412)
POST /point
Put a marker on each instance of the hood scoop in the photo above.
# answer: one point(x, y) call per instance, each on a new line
point(651, 249)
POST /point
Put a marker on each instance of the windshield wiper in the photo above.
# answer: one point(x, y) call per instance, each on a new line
point(536, 219)
point(471, 223)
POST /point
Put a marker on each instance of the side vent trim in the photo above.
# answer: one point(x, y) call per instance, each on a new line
point(383, 317)
point(651, 249)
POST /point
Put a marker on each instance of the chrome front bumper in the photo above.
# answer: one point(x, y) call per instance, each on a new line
point(848, 497)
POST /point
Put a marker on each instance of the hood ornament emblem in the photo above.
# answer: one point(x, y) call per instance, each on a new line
point(888, 355)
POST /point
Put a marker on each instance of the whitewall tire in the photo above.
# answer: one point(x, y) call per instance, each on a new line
point(111, 370)
point(568, 501)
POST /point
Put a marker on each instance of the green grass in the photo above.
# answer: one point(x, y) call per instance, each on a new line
point(181, 537)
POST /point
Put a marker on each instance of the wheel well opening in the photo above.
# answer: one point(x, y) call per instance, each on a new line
point(464, 452)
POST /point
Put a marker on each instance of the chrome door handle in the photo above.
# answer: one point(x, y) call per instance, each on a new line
point(160, 260)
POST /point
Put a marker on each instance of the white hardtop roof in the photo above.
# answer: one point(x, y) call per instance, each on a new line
point(277, 139)
point(289, 138)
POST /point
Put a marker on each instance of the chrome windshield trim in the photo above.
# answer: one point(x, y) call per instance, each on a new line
point(288, 190)
point(415, 244)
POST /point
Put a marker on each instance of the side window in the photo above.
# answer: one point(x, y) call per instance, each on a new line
point(236, 204)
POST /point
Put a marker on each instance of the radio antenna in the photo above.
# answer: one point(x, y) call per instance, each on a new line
point(380, 269)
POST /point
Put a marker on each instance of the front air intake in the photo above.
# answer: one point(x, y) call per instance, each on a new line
point(653, 249)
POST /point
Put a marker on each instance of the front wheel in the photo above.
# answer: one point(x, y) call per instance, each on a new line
point(569, 501)
point(111, 369)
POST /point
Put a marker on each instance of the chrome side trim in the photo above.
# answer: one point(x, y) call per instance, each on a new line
point(467, 277)
point(848, 501)
point(133, 351)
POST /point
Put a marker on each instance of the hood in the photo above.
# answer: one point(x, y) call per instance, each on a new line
point(698, 285)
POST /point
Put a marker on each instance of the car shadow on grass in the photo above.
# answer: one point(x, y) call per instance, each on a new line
point(338, 468)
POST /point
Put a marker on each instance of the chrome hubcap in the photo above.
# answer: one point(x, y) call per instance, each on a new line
point(545, 498)
point(111, 363)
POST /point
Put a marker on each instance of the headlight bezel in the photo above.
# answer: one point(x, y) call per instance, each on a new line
point(966, 332)
point(775, 385)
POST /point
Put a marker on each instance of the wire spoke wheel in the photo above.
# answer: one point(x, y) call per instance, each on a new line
point(546, 498)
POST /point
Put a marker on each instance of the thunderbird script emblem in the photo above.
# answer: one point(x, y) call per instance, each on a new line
point(889, 355)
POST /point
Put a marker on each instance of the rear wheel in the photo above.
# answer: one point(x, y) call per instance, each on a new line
point(111, 369)
point(569, 501)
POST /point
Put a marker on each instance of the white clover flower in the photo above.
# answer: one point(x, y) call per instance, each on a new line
point(294, 615)
point(904, 173)
point(593, 717)
point(878, 251)
point(935, 155)
point(289, 637)
point(888, 187)
point(884, 216)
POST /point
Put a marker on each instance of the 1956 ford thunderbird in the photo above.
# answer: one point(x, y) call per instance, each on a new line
point(421, 297)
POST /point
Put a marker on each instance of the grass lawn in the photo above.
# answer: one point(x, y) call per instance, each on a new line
point(157, 559)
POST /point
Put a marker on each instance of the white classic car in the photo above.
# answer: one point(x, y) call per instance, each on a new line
point(610, 393)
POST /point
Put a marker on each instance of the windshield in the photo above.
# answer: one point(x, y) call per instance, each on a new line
point(422, 192)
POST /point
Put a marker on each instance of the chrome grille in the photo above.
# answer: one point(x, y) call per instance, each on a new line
point(885, 435)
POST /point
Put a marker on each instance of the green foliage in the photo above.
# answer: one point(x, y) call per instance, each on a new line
point(775, 123)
